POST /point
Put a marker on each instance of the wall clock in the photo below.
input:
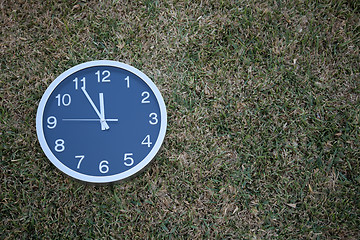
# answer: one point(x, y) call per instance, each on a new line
point(101, 121)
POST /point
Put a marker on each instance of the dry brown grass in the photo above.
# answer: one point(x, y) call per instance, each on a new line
point(263, 109)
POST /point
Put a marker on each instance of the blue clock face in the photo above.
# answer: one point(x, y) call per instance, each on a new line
point(101, 121)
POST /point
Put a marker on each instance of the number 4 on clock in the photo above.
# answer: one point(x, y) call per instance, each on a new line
point(146, 141)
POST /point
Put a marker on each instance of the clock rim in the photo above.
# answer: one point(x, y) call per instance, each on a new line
point(101, 179)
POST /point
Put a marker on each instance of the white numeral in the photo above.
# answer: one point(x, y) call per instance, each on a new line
point(81, 157)
point(146, 141)
point(128, 161)
point(64, 100)
point(59, 145)
point(128, 81)
point(105, 75)
point(154, 119)
point(77, 84)
point(146, 95)
point(103, 167)
point(51, 122)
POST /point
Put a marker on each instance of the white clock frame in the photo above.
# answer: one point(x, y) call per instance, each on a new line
point(100, 179)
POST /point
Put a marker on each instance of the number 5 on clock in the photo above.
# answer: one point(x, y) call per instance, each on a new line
point(128, 160)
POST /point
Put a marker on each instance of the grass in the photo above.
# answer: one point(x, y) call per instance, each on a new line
point(263, 101)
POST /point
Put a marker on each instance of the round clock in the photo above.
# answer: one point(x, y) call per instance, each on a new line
point(101, 121)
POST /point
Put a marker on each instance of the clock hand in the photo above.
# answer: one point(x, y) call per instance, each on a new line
point(102, 113)
point(104, 125)
point(102, 107)
point(89, 119)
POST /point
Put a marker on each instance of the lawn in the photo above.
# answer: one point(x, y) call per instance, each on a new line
point(263, 102)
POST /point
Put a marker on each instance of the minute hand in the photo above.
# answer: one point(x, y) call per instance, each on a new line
point(104, 125)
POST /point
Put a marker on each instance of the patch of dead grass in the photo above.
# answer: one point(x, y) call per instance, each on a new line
point(263, 122)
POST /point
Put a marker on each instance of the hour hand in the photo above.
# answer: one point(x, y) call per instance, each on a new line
point(104, 125)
